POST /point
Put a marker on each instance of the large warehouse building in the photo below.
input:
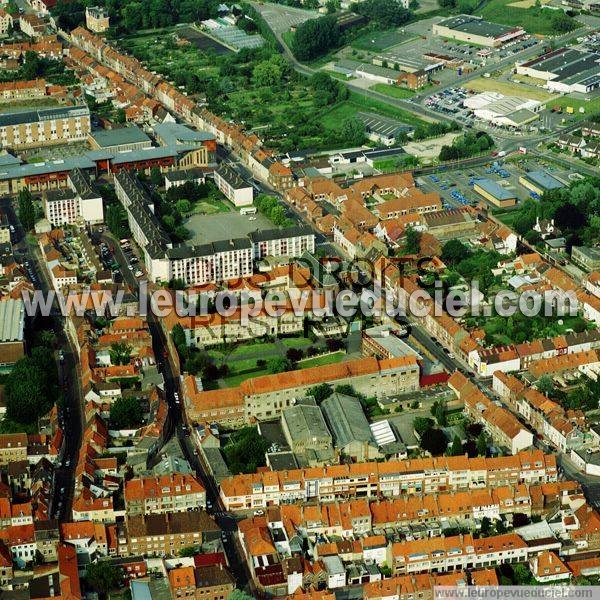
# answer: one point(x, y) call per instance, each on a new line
point(467, 28)
point(565, 70)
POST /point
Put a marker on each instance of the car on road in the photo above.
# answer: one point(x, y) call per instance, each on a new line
point(259, 513)
point(11, 228)
point(68, 462)
point(61, 356)
point(138, 273)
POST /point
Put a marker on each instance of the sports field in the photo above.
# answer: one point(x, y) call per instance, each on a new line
point(533, 19)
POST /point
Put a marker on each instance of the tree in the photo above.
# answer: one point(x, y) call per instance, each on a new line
point(120, 116)
point(183, 206)
point(156, 177)
point(412, 240)
point(126, 413)
point(178, 335)
point(114, 220)
point(353, 131)
point(245, 451)
point(270, 72)
point(30, 388)
point(103, 577)
point(120, 353)
point(280, 365)
point(486, 526)
point(521, 575)
point(482, 444)
point(26, 210)
point(456, 449)
point(316, 37)
point(422, 424)
point(320, 392)
point(545, 385)
point(239, 595)
point(453, 251)
point(294, 354)
point(384, 12)
point(188, 551)
point(439, 410)
point(434, 441)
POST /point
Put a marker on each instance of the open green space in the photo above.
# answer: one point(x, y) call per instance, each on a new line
point(590, 107)
point(259, 89)
point(319, 361)
point(392, 90)
point(543, 21)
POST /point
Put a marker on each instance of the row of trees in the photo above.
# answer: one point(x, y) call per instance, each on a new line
point(273, 210)
point(575, 211)
point(467, 145)
point(31, 388)
point(316, 37)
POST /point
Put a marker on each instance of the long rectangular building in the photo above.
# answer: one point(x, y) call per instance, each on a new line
point(565, 70)
point(205, 263)
point(266, 396)
point(44, 127)
point(392, 478)
point(467, 28)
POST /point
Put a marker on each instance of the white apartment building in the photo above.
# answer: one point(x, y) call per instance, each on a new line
point(293, 241)
point(236, 190)
point(79, 204)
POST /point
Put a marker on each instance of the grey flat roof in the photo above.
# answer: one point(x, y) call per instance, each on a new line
point(176, 134)
point(491, 187)
point(9, 159)
point(42, 114)
point(106, 138)
point(475, 26)
point(12, 320)
point(544, 180)
point(306, 422)
point(54, 166)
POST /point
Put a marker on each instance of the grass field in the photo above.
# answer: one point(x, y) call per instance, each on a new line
point(533, 20)
point(508, 217)
point(507, 88)
point(392, 90)
point(592, 107)
point(356, 103)
point(319, 361)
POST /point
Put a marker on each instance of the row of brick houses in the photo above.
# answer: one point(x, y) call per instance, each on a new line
point(393, 478)
point(248, 147)
point(265, 396)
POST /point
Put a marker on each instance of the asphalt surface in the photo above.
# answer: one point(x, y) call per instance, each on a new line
point(70, 414)
point(176, 425)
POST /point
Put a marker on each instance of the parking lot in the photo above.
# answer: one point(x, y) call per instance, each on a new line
point(456, 187)
point(224, 226)
point(281, 18)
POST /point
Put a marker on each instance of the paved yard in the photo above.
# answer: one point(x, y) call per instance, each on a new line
point(223, 226)
point(281, 18)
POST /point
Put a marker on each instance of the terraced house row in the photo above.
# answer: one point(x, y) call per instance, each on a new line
point(360, 516)
point(249, 148)
point(393, 478)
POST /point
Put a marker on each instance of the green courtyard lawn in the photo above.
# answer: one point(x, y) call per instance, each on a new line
point(533, 19)
point(392, 90)
point(319, 361)
point(299, 343)
point(519, 328)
